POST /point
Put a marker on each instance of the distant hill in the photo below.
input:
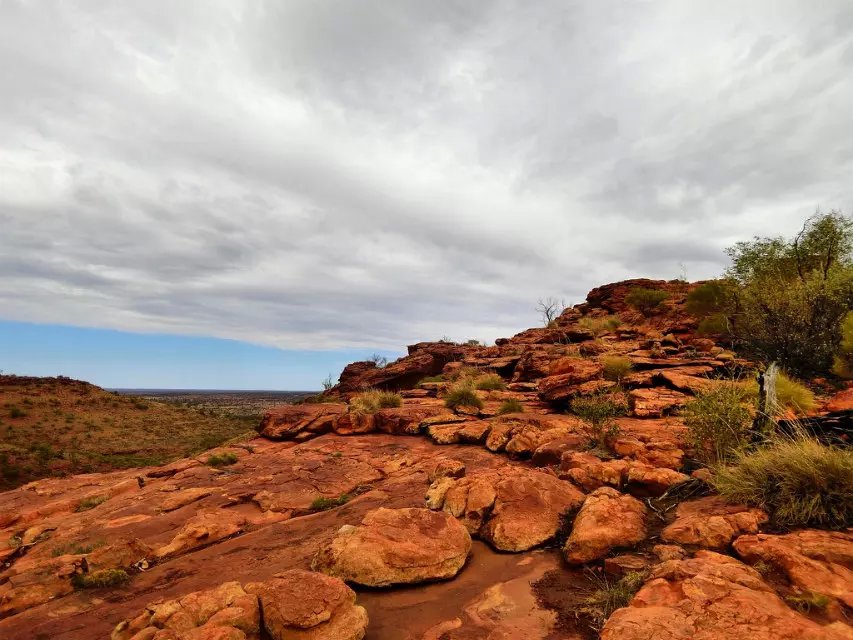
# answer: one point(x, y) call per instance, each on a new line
point(59, 426)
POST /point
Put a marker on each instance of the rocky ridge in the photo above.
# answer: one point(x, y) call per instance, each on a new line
point(325, 495)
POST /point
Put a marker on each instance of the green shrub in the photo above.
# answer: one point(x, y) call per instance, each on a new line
point(17, 412)
point(644, 300)
point(718, 421)
point(91, 502)
point(597, 412)
point(373, 400)
point(713, 325)
point(510, 406)
point(490, 382)
point(610, 595)
point(431, 379)
point(100, 579)
point(599, 326)
point(324, 504)
point(222, 459)
point(798, 481)
point(792, 395)
point(808, 602)
point(710, 298)
point(793, 294)
point(616, 367)
point(462, 394)
point(843, 361)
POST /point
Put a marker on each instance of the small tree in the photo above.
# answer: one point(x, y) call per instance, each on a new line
point(792, 295)
point(328, 383)
point(646, 301)
point(380, 361)
point(550, 309)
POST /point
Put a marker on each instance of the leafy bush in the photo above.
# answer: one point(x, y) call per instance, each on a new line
point(510, 406)
point(798, 481)
point(792, 395)
point(462, 394)
point(100, 579)
point(718, 421)
point(616, 367)
point(324, 504)
point(490, 382)
point(90, 503)
point(374, 400)
point(609, 596)
point(17, 412)
point(710, 298)
point(843, 361)
point(222, 459)
point(808, 602)
point(597, 413)
point(644, 300)
point(714, 325)
point(599, 326)
point(793, 295)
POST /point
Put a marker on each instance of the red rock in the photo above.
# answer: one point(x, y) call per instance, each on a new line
point(841, 401)
point(712, 523)
point(286, 422)
point(655, 403)
point(396, 546)
point(201, 530)
point(309, 605)
point(626, 563)
point(447, 468)
point(644, 480)
point(563, 386)
point(607, 520)
point(815, 561)
point(711, 597)
point(404, 420)
point(223, 613)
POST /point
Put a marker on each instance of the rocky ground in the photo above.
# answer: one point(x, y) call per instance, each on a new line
point(419, 522)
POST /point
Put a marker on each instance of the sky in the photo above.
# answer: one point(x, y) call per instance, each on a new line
point(249, 194)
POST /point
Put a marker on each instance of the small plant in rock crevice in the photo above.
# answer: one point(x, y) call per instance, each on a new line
point(323, 503)
point(646, 301)
point(610, 594)
point(373, 400)
point(222, 459)
point(490, 382)
point(597, 413)
point(510, 406)
point(462, 394)
point(100, 579)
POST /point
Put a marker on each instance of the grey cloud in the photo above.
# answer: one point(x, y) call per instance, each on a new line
point(337, 174)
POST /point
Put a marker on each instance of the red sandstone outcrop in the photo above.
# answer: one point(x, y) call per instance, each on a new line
point(712, 523)
point(607, 520)
point(712, 597)
point(396, 546)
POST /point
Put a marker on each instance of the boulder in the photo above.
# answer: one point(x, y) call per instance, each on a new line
point(227, 612)
point(290, 421)
point(656, 402)
point(574, 371)
point(813, 560)
point(203, 529)
point(396, 546)
point(712, 523)
point(405, 420)
point(712, 597)
point(645, 480)
point(607, 520)
point(306, 605)
point(527, 510)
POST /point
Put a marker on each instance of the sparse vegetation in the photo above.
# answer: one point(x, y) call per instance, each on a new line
point(710, 298)
point(324, 504)
point(808, 602)
point(646, 301)
point(718, 421)
point(793, 395)
point(597, 412)
point(550, 309)
point(91, 502)
point(610, 594)
point(616, 367)
point(462, 394)
point(490, 382)
point(222, 459)
point(510, 406)
point(842, 364)
point(797, 480)
point(431, 379)
point(328, 382)
point(17, 412)
point(380, 361)
point(373, 400)
point(76, 548)
point(713, 325)
point(100, 579)
point(599, 326)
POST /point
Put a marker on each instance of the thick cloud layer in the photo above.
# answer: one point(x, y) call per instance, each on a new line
point(328, 174)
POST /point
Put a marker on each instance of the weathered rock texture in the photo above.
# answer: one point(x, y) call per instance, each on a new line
point(396, 546)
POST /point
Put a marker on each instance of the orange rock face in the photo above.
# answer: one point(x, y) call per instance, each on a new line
point(607, 520)
point(712, 597)
point(396, 546)
point(711, 523)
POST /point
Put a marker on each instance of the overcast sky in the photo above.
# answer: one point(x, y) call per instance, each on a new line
point(307, 174)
